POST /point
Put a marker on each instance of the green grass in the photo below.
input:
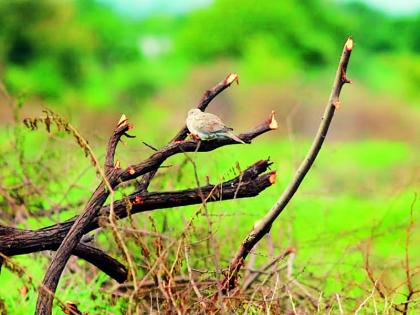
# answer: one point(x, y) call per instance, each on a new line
point(356, 191)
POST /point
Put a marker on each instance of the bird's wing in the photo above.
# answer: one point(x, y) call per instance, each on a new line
point(210, 123)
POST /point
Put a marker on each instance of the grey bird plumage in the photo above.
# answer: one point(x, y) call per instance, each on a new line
point(208, 126)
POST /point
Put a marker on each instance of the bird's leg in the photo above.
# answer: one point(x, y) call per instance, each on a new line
point(194, 137)
point(190, 135)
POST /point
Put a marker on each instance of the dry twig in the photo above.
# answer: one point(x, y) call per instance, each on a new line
point(263, 226)
point(65, 237)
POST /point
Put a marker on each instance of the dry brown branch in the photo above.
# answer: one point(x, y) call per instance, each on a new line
point(257, 273)
point(179, 282)
point(17, 242)
point(207, 97)
point(156, 159)
point(408, 275)
point(64, 251)
point(102, 261)
point(193, 284)
point(377, 282)
point(110, 166)
point(263, 226)
point(66, 240)
point(380, 287)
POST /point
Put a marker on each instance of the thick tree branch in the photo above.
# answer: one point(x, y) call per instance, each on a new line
point(59, 261)
point(263, 226)
point(207, 97)
point(113, 176)
point(248, 184)
point(156, 159)
point(17, 242)
point(102, 261)
point(204, 102)
point(64, 251)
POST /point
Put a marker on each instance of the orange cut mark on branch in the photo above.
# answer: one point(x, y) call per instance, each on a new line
point(231, 78)
point(71, 308)
point(272, 178)
point(137, 201)
point(24, 291)
point(290, 250)
point(123, 121)
point(131, 171)
point(349, 44)
point(273, 122)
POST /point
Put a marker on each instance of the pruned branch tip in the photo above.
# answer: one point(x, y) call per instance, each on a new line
point(263, 226)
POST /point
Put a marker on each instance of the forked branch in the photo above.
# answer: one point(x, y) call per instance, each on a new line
point(115, 176)
point(249, 183)
point(207, 97)
point(156, 159)
point(72, 238)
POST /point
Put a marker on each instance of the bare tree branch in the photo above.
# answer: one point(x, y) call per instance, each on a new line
point(263, 226)
point(250, 182)
point(112, 175)
point(156, 159)
point(102, 261)
point(122, 128)
point(64, 251)
point(207, 97)
point(21, 242)
point(65, 237)
point(257, 273)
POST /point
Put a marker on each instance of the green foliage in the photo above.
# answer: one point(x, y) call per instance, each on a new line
point(55, 59)
point(300, 28)
point(389, 34)
point(86, 52)
point(56, 50)
point(355, 214)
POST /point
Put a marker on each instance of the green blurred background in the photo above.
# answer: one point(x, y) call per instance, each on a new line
point(91, 61)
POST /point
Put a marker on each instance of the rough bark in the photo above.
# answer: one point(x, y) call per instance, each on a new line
point(251, 182)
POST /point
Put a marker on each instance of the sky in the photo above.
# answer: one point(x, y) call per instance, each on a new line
point(140, 8)
point(395, 7)
point(147, 7)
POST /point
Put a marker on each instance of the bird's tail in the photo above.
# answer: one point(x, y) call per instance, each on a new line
point(234, 137)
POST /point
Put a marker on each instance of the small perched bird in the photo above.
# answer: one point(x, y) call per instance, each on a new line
point(207, 126)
